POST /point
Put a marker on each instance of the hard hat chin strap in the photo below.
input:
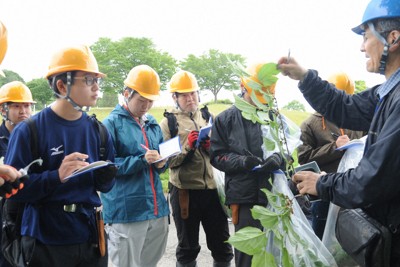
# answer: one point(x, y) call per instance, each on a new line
point(69, 99)
point(386, 47)
point(5, 117)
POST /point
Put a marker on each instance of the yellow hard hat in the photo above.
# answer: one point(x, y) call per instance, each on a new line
point(253, 71)
point(144, 80)
point(183, 82)
point(343, 82)
point(77, 58)
point(15, 92)
point(3, 43)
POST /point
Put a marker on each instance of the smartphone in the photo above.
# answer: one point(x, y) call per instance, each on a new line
point(313, 167)
point(310, 166)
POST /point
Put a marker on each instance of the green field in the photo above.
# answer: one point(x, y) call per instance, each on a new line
point(296, 116)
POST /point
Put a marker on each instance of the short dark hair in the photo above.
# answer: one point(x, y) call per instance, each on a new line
point(52, 80)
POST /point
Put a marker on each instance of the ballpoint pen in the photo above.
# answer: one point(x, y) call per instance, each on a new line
point(288, 57)
point(335, 135)
point(145, 147)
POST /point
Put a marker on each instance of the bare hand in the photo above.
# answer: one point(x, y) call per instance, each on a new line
point(151, 156)
point(291, 69)
point(306, 182)
point(342, 140)
point(71, 163)
point(8, 173)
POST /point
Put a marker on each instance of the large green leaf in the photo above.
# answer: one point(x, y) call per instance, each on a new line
point(249, 240)
point(263, 259)
point(267, 218)
point(267, 74)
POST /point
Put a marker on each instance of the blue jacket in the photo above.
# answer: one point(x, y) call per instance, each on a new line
point(137, 194)
point(374, 184)
point(44, 216)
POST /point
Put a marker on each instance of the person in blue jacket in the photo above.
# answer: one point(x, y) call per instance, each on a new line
point(135, 210)
point(59, 219)
point(374, 184)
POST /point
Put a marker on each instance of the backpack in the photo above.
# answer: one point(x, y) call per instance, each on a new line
point(12, 211)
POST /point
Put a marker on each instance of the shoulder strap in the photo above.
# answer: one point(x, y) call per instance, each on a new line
point(172, 123)
point(103, 136)
point(205, 113)
point(34, 138)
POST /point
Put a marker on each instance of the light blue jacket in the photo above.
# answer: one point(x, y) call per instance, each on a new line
point(137, 194)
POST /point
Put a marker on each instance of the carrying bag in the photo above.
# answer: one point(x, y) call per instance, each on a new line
point(366, 240)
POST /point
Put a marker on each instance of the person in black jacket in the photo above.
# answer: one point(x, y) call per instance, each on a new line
point(236, 148)
point(374, 184)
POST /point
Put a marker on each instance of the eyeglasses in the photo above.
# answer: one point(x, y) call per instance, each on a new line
point(89, 80)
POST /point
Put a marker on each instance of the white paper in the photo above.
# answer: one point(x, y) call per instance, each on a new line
point(352, 143)
point(91, 167)
point(169, 148)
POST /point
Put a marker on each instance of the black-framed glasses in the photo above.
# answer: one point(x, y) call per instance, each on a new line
point(89, 80)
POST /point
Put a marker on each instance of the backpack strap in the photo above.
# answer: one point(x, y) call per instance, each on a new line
point(205, 113)
point(34, 138)
point(172, 123)
point(103, 136)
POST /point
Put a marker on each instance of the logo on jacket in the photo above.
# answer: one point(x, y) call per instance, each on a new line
point(56, 150)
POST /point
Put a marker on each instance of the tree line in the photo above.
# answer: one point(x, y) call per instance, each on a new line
point(116, 58)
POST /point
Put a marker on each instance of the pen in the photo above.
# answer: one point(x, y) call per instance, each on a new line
point(288, 57)
point(334, 135)
point(80, 159)
point(187, 130)
point(145, 147)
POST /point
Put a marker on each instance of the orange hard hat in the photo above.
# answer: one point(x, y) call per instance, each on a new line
point(76, 58)
point(3, 43)
point(343, 82)
point(183, 82)
point(144, 80)
point(252, 82)
point(15, 92)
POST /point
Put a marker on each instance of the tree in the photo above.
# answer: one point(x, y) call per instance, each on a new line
point(295, 105)
point(213, 70)
point(360, 86)
point(41, 92)
point(117, 58)
point(10, 76)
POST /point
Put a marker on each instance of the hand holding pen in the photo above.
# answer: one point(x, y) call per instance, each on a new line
point(71, 163)
point(152, 155)
point(341, 140)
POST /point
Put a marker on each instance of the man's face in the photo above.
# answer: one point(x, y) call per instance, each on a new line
point(18, 112)
point(188, 102)
point(138, 105)
point(373, 49)
point(85, 89)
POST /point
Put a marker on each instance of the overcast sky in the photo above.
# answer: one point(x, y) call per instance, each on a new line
point(318, 32)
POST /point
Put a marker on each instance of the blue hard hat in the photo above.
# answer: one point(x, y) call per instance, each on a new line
point(378, 9)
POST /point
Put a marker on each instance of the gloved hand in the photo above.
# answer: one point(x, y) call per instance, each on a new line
point(272, 163)
point(249, 162)
point(106, 174)
point(192, 139)
point(6, 190)
point(205, 144)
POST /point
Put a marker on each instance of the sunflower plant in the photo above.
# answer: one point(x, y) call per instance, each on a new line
point(279, 234)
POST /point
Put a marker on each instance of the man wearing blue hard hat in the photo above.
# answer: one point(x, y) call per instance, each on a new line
point(374, 185)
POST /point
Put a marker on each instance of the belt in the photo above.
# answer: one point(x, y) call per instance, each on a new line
point(77, 208)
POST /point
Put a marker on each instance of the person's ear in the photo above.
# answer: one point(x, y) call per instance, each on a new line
point(395, 43)
point(61, 87)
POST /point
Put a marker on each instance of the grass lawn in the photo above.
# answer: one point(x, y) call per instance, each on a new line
point(296, 116)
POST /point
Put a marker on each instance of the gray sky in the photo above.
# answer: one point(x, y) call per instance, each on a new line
point(318, 32)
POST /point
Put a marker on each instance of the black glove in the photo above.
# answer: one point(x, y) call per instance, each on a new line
point(6, 190)
point(106, 174)
point(249, 162)
point(272, 163)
